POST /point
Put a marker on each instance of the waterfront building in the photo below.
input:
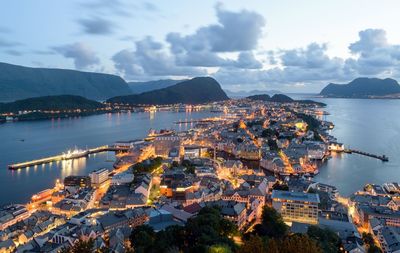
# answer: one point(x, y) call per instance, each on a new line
point(296, 206)
point(77, 181)
point(99, 176)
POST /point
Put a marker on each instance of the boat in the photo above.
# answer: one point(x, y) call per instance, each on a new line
point(76, 153)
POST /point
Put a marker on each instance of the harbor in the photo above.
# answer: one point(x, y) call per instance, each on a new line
point(383, 158)
point(75, 154)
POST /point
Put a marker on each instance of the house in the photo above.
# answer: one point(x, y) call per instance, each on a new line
point(232, 210)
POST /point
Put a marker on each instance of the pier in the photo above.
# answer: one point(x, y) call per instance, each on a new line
point(64, 157)
point(383, 158)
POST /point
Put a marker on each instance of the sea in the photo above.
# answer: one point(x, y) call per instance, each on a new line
point(370, 125)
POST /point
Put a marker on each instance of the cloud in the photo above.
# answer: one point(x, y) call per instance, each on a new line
point(149, 6)
point(82, 54)
point(115, 7)
point(296, 66)
point(97, 26)
point(13, 52)
point(224, 36)
point(8, 43)
point(374, 54)
point(4, 29)
point(246, 60)
point(150, 58)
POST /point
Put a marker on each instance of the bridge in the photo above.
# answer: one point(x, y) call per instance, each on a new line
point(62, 157)
point(383, 158)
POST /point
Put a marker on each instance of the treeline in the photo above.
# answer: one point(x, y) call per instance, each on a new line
point(51, 103)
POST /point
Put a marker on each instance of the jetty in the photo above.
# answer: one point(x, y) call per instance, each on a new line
point(383, 158)
point(68, 156)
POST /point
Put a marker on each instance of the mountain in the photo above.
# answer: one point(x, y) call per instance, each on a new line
point(242, 94)
point(140, 87)
point(194, 91)
point(262, 97)
point(281, 98)
point(362, 88)
point(51, 103)
point(18, 82)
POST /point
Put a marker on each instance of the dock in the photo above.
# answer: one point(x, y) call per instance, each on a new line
point(63, 157)
point(383, 158)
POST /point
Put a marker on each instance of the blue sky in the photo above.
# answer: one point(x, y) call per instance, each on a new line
point(295, 46)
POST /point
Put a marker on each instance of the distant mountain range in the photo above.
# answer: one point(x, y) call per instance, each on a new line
point(140, 87)
point(363, 88)
point(194, 91)
point(18, 82)
point(242, 94)
point(51, 103)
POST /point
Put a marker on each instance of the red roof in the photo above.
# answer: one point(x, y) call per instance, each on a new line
point(193, 208)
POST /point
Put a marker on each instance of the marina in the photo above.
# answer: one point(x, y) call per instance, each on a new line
point(75, 154)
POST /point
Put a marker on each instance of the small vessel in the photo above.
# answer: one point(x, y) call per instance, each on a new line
point(76, 153)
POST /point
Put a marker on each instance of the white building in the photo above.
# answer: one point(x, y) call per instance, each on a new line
point(98, 177)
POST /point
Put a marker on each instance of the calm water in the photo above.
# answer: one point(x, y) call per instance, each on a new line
point(46, 138)
point(368, 125)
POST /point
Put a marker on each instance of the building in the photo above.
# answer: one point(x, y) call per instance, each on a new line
point(164, 144)
point(77, 181)
point(296, 206)
point(122, 178)
point(98, 177)
point(12, 214)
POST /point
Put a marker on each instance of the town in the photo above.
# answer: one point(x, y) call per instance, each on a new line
point(255, 161)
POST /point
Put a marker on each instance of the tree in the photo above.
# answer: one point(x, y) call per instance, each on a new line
point(281, 187)
point(327, 240)
point(219, 248)
point(142, 238)
point(254, 244)
point(298, 243)
point(272, 224)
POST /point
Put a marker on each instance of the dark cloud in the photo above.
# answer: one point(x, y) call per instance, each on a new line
point(150, 58)
point(82, 54)
point(246, 60)
point(97, 26)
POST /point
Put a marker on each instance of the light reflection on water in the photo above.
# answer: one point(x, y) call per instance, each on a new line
point(24, 141)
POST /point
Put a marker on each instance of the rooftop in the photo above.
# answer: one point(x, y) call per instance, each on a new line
point(295, 196)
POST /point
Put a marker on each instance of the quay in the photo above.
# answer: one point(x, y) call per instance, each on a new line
point(63, 157)
point(383, 158)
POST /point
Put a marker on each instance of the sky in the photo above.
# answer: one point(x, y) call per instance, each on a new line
point(287, 45)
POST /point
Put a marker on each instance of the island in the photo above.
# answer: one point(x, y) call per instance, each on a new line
point(194, 91)
point(363, 88)
point(281, 98)
point(48, 107)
